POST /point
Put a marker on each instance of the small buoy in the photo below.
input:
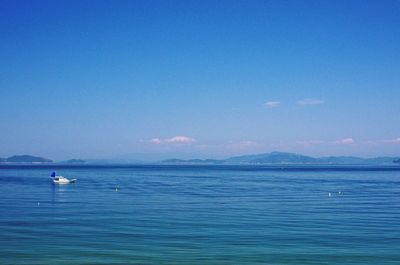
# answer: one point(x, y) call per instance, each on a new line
point(116, 189)
point(38, 203)
point(340, 192)
point(329, 194)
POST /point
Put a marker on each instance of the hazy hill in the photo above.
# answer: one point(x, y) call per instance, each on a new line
point(290, 158)
point(74, 161)
point(27, 159)
point(381, 160)
point(273, 158)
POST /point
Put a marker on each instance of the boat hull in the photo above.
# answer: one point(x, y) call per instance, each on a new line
point(61, 180)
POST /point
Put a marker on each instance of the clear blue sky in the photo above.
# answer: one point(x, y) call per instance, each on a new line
point(95, 79)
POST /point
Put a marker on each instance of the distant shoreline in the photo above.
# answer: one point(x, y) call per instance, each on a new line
point(243, 167)
point(265, 159)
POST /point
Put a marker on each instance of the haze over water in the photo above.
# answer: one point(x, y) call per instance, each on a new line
point(200, 215)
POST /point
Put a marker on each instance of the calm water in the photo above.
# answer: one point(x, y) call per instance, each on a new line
point(200, 215)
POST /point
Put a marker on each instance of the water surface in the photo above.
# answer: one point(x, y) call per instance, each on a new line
point(200, 215)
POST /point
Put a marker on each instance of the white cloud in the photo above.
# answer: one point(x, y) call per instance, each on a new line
point(173, 140)
point(272, 104)
point(155, 141)
point(384, 141)
point(345, 141)
point(180, 140)
point(309, 101)
point(392, 141)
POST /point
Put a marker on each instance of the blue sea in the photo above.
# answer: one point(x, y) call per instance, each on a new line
point(200, 215)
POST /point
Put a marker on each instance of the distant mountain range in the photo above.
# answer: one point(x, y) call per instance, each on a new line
point(273, 158)
point(74, 162)
point(290, 158)
point(25, 159)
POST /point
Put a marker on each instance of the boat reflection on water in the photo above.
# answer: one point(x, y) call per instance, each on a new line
point(59, 193)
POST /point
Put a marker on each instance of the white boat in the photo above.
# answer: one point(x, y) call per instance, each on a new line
point(61, 179)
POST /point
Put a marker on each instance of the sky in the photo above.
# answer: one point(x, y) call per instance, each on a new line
point(102, 79)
